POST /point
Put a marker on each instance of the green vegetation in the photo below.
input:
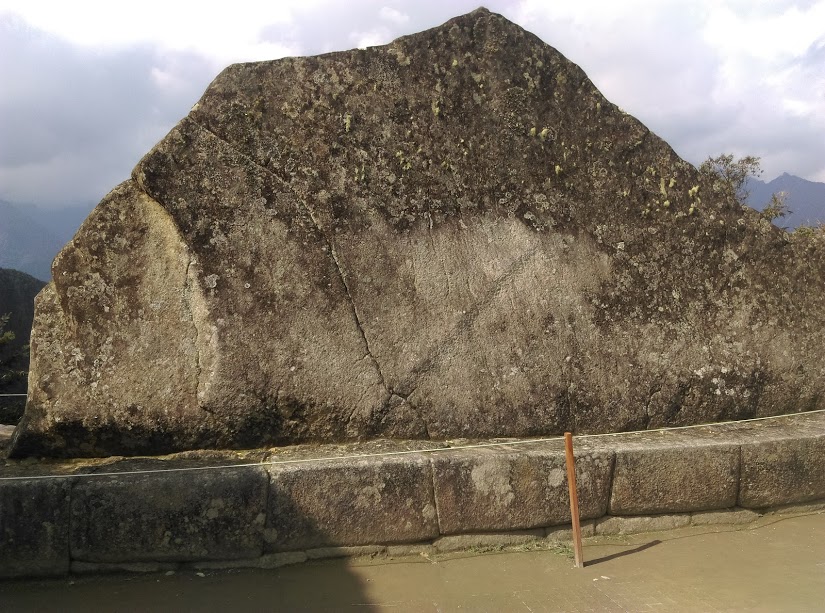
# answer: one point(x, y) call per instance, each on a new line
point(776, 208)
point(730, 179)
point(12, 374)
point(730, 176)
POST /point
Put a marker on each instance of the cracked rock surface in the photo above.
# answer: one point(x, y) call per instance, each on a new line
point(453, 235)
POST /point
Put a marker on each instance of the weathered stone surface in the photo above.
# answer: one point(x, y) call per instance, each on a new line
point(490, 489)
point(169, 516)
point(350, 502)
point(782, 471)
point(34, 527)
point(451, 235)
point(649, 523)
point(674, 474)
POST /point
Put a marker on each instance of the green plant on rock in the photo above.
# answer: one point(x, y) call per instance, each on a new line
point(730, 176)
point(730, 179)
point(815, 232)
point(776, 208)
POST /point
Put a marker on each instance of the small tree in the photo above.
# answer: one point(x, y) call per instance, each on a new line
point(7, 357)
point(777, 207)
point(730, 176)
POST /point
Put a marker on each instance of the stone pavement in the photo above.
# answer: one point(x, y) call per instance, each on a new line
point(774, 564)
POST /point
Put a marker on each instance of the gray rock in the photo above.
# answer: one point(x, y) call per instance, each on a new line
point(674, 474)
point(782, 471)
point(34, 527)
point(493, 489)
point(368, 501)
point(169, 516)
point(453, 235)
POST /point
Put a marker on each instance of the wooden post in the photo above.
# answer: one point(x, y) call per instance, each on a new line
point(574, 500)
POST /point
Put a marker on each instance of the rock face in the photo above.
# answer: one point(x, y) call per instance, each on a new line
point(452, 235)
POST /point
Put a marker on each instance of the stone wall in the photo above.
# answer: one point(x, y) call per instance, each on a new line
point(285, 506)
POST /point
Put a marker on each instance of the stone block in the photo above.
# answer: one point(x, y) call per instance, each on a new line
point(169, 516)
point(357, 551)
point(564, 534)
point(272, 560)
point(288, 558)
point(419, 549)
point(464, 542)
point(783, 471)
point(796, 509)
point(490, 489)
point(370, 501)
point(100, 568)
point(632, 525)
point(34, 527)
point(724, 517)
point(675, 476)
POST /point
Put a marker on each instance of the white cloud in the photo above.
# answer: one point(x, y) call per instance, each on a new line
point(222, 31)
point(709, 76)
point(393, 15)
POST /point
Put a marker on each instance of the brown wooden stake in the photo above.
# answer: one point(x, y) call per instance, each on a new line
point(574, 500)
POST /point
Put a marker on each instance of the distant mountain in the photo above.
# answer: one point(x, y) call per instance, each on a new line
point(30, 237)
point(62, 222)
point(805, 199)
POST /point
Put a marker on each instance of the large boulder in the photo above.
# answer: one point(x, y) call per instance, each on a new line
point(451, 235)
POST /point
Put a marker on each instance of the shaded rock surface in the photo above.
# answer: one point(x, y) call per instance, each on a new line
point(173, 516)
point(455, 234)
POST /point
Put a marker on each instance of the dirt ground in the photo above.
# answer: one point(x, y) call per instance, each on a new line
point(774, 564)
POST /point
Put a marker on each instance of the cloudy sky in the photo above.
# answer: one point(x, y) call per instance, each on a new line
point(87, 87)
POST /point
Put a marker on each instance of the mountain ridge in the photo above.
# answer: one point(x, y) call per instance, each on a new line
point(805, 199)
point(31, 236)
